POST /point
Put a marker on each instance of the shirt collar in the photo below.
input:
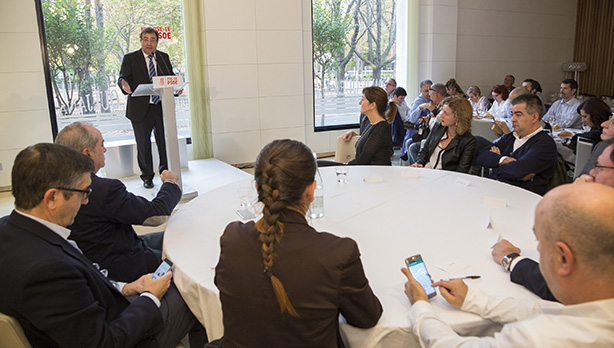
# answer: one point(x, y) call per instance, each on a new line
point(60, 230)
point(539, 129)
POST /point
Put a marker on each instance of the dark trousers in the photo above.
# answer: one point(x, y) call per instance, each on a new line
point(142, 134)
point(154, 242)
point(178, 321)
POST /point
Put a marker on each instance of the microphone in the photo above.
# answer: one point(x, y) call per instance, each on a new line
point(169, 71)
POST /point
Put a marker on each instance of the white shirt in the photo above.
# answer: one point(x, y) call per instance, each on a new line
point(65, 233)
point(560, 108)
point(526, 323)
point(498, 109)
point(404, 111)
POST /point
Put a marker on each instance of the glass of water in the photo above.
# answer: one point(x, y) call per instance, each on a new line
point(246, 196)
point(342, 174)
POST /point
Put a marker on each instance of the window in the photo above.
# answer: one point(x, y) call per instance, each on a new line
point(353, 47)
point(85, 44)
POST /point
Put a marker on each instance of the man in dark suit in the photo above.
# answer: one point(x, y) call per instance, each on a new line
point(57, 295)
point(145, 113)
point(525, 271)
point(527, 157)
point(103, 228)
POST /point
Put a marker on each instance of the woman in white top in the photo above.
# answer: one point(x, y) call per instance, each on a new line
point(478, 101)
point(499, 94)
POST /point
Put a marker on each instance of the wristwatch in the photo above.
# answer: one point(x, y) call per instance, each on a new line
point(506, 262)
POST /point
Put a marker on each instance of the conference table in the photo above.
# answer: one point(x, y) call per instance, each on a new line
point(451, 219)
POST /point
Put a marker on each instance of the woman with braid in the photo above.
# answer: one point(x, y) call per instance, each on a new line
point(282, 283)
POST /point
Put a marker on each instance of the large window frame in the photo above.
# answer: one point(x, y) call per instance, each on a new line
point(341, 29)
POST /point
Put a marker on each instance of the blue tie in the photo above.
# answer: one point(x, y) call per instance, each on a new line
point(152, 72)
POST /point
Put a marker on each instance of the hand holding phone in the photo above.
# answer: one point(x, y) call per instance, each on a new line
point(164, 267)
point(416, 266)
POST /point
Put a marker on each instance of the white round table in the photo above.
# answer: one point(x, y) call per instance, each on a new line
point(442, 215)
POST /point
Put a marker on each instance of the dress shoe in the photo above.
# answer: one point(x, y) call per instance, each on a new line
point(148, 184)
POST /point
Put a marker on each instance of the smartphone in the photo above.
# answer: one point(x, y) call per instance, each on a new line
point(418, 271)
point(164, 267)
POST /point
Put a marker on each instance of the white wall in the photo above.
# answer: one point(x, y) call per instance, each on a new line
point(480, 41)
point(24, 115)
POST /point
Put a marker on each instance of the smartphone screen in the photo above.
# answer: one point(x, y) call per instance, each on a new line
point(418, 270)
point(164, 267)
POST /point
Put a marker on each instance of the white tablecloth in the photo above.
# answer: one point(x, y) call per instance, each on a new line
point(440, 214)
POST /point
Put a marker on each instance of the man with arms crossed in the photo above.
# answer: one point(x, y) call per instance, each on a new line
point(525, 158)
point(525, 271)
point(57, 295)
point(103, 228)
point(573, 227)
point(145, 113)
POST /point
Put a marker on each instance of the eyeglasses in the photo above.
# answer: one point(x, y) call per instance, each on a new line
point(87, 192)
point(598, 166)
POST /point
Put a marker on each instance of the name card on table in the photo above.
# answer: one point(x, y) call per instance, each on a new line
point(497, 202)
point(371, 179)
point(167, 81)
point(410, 174)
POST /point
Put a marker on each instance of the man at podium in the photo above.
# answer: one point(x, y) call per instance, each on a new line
point(145, 113)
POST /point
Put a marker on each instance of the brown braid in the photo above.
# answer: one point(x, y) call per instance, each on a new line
point(284, 169)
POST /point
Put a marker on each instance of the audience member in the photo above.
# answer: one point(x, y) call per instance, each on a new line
point(607, 138)
point(438, 93)
point(573, 227)
point(534, 87)
point(453, 89)
point(417, 110)
point(526, 157)
point(450, 145)
point(389, 86)
point(57, 295)
point(508, 82)
point(281, 282)
point(505, 122)
point(525, 271)
point(375, 145)
point(103, 228)
point(594, 112)
point(398, 130)
point(479, 103)
point(563, 111)
point(499, 94)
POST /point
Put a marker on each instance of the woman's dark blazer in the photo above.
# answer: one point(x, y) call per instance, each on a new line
point(457, 157)
point(322, 275)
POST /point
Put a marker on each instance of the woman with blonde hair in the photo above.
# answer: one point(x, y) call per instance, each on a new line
point(450, 145)
point(281, 282)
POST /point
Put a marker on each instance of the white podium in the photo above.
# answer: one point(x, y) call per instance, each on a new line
point(163, 86)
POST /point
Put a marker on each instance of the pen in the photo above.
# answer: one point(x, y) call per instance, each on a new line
point(467, 277)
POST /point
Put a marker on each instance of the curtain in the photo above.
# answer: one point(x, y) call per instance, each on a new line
point(193, 14)
point(594, 44)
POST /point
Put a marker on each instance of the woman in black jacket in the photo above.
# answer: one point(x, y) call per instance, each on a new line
point(450, 145)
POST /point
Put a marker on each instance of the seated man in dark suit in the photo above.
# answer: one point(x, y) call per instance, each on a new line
point(527, 157)
point(525, 271)
point(103, 228)
point(57, 295)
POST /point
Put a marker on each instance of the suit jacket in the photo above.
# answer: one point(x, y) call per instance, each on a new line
point(526, 273)
point(321, 273)
point(537, 156)
point(135, 71)
point(60, 299)
point(103, 227)
point(457, 156)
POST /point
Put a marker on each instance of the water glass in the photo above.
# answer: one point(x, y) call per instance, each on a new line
point(342, 172)
point(246, 196)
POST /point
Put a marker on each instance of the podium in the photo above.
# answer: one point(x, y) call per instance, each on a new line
point(163, 86)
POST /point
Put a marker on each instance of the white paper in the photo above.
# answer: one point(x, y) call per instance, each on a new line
point(371, 179)
point(454, 267)
point(494, 201)
point(497, 240)
point(410, 174)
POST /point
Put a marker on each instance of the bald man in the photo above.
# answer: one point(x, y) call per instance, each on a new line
point(573, 227)
point(525, 271)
